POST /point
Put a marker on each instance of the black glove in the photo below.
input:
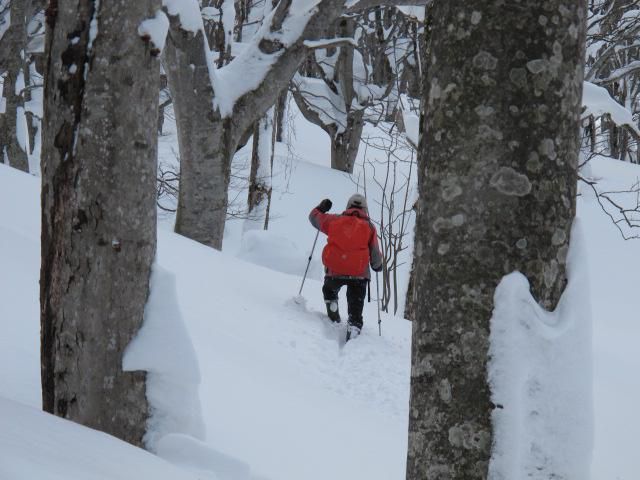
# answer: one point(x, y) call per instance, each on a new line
point(378, 269)
point(325, 205)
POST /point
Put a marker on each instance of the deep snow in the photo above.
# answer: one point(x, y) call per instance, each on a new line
point(281, 396)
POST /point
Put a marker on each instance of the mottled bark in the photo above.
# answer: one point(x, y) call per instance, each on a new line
point(98, 210)
point(497, 183)
point(206, 141)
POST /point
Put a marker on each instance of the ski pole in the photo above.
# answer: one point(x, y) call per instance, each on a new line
point(309, 262)
point(378, 303)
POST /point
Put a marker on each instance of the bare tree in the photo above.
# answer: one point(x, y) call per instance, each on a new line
point(497, 186)
point(212, 119)
point(98, 210)
point(345, 82)
point(613, 62)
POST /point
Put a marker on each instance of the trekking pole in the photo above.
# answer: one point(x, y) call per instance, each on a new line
point(378, 302)
point(309, 262)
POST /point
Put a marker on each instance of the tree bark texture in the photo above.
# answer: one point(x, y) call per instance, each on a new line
point(98, 210)
point(206, 141)
point(345, 145)
point(497, 185)
point(15, 43)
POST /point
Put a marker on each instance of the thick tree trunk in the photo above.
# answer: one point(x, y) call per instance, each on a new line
point(206, 141)
point(98, 210)
point(497, 186)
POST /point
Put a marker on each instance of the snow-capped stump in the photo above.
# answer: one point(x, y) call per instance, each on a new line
point(154, 31)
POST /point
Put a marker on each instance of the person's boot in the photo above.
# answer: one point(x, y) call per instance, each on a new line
point(332, 310)
point(354, 326)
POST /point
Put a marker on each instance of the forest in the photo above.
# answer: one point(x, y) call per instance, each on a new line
point(348, 239)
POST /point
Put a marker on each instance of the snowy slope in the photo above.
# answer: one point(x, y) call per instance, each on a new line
point(614, 265)
point(36, 445)
point(280, 392)
point(281, 396)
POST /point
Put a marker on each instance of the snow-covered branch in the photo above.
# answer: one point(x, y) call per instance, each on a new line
point(598, 102)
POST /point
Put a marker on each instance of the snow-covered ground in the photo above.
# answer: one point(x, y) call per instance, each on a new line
point(281, 396)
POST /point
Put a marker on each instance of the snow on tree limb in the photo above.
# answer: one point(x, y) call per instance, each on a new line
point(353, 5)
point(330, 42)
point(281, 28)
point(628, 69)
point(188, 12)
point(598, 102)
point(155, 30)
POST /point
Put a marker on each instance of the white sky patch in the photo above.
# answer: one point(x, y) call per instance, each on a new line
point(156, 28)
point(540, 375)
point(598, 102)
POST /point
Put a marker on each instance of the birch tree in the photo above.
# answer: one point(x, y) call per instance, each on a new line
point(497, 182)
point(98, 209)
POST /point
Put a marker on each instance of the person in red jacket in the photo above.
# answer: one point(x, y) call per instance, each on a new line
point(352, 246)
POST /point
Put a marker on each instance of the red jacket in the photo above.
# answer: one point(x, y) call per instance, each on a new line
point(352, 243)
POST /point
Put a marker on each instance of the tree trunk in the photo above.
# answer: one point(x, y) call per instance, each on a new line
point(281, 110)
point(98, 210)
point(10, 144)
point(345, 145)
point(260, 174)
point(206, 141)
point(497, 183)
point(208, 137)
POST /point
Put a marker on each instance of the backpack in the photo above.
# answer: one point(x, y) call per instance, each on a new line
point(347, 249)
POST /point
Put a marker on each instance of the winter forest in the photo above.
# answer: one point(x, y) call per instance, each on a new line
point(319, 239)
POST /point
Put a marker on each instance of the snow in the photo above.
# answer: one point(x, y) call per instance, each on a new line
point(188, 11)
point(598, 102)
point(541, 377)
point(156, 28)
point(279, 390)
point(327, 104)
point(613, 264)
point(34, 444)
point(93, 27)
point(249, 382)
point(329, 42)
point(412, 126)
point(416, 12)
point(247, 71)
point(163, 349)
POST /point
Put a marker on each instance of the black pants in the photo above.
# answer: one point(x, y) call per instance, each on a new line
point(356, 291)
